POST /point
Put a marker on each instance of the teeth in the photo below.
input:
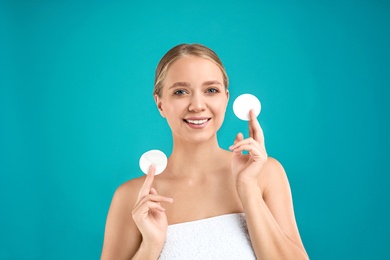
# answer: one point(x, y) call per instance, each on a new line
point(197, 122)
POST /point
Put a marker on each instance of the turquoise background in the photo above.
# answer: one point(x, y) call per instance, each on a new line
point(76, 112)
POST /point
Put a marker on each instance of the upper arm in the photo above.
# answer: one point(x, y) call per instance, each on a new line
point(277, 196)
point(121, 236)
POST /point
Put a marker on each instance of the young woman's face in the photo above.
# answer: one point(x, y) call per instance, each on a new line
point(193, 99)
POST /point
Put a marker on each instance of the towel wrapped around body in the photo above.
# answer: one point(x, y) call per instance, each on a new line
point(221, 237)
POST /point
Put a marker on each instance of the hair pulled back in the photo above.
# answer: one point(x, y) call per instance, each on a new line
point(185, 50)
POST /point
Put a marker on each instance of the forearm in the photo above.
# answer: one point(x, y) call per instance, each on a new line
point(147, 252)
point(268, 240)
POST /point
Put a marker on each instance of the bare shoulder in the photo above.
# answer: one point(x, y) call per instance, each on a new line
point(128, 191)
point(273, 167)
point(273, 176)
point(125, 198)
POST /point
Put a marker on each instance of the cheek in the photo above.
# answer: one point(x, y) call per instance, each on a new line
point(219, 108)
point(173, 109)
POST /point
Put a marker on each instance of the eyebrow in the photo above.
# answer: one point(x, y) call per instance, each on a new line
point(187, 84)
point(212, 82)
point(180, 84)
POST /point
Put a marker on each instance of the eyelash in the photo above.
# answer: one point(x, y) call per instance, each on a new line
point(181, 92)
point(176, 92)
point(212, 90)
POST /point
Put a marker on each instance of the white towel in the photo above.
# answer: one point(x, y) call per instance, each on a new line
point(222, 237)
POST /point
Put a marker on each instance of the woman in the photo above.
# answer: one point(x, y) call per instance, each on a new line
point(209, 202)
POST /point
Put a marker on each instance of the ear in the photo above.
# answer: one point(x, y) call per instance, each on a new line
point(227, 98)
point(158, 101)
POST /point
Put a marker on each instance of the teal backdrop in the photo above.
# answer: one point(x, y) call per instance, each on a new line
point(76, 112)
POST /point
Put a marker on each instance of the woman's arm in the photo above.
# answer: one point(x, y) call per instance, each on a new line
point(136, 223)
point(269, 213)
point(270, 216)
point(121, 237)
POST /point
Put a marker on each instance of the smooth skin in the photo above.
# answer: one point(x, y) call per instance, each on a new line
point(201, 179)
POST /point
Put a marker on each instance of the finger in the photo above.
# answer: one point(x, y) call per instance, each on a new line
point(151, 200)
point(147, 206)
point(145, 189)
point(153, 191)
point(155, 198)
point(255, 130)
point(247, 146)
point(256, 153)
point(242, 142)
point(239, 137)
point(250, 123)
point(244, 145)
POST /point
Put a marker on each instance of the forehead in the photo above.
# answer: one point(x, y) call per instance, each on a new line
point(191, 68)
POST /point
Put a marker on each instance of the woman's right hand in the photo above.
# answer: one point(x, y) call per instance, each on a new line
point(149, 215)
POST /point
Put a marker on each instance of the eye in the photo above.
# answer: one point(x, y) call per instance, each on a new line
point(180, 92)
point(212, 90)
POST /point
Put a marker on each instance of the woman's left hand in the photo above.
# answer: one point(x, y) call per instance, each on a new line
point(247, 167)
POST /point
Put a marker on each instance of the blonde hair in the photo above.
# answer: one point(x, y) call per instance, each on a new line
point(183, 50)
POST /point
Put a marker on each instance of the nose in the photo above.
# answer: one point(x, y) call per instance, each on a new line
point(197, 103)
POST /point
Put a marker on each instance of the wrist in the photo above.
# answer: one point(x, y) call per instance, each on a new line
point(149, 251)
point(248, 190)
point(246, 184)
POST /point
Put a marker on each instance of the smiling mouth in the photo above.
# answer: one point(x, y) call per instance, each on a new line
point(196, 122)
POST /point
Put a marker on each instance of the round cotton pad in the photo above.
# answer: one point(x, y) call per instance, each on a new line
point(243, 104)
point(155, 157)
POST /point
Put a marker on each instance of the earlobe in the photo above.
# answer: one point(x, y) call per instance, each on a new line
point(158, 101)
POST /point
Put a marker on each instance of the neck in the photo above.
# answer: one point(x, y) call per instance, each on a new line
point(195, 159)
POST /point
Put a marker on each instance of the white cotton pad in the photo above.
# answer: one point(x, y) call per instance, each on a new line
point(155, 157)
point(243, 104)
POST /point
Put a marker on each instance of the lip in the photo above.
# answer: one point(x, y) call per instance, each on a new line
point(196, 126)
